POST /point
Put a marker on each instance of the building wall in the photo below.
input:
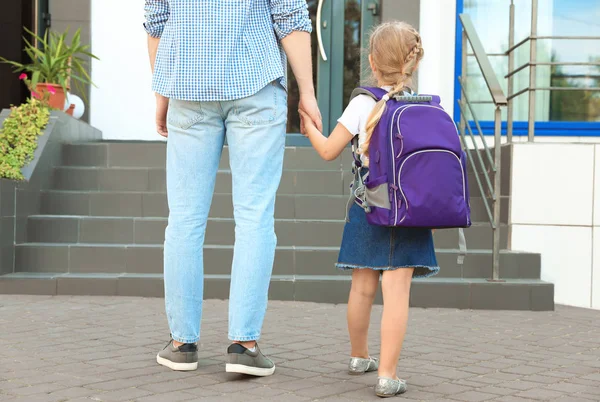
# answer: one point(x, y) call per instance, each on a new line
point(436, 22)
point(555, 211)
point(437, 27)
point(72, 15)
point(403, 10)
point(123, 103)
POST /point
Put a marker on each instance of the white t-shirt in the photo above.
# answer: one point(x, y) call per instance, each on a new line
point(356, 115)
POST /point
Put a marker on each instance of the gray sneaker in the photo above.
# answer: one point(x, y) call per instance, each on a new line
point(182, 358)
point(358, 365)
point(242, 360)
point(387, 387)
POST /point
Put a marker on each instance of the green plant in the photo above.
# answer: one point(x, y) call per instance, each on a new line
point(18, 137)
point(55, 60)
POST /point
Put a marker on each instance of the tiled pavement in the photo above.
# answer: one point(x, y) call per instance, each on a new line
point(103, 349)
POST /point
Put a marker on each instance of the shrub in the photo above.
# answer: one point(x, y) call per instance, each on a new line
point(18, 137)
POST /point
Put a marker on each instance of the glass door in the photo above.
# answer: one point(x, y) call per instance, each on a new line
point(42, 17)
point(339, 44)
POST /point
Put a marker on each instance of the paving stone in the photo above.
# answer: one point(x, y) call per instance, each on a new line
point(473, 396)
point(449, 355)
point(328, 389)
point(448, 389)
point(540, 393)
point(126, 394)
point(174, 396)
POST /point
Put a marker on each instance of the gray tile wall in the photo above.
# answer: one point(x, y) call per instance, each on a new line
point(402, 10)
point(19, 200)
point(7, 226)
point(73, 14)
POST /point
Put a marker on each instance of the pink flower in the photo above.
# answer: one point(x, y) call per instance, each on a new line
point(51, 90)
point(23, 76)
point(36, 95)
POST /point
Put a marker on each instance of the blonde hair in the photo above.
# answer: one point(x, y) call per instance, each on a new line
point(396, 49)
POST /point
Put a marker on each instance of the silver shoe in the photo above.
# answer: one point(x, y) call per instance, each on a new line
point(387, 387)
point(358, 365)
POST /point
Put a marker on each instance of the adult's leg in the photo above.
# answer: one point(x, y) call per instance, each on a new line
point(256, 137)
point(194, 146)
point(396, 294)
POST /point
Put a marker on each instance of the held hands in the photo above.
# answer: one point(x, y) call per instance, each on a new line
point(309, 113)
point(162, 106)
point(306, 123)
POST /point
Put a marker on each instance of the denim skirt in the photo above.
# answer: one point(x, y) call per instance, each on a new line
point(386, 248)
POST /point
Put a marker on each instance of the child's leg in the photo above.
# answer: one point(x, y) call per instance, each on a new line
point(364, 286)
point(396, 292)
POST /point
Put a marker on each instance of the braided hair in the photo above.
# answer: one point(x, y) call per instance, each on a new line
point(396, 50)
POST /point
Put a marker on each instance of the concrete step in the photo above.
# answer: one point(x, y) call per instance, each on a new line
point(135, 179)
point(153, 155)
point(154, 179)
point(289, 260)
point(290, 232)
point(433, 292)
point(154, 204)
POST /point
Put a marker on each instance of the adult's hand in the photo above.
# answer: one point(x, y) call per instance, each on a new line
point(297, 48)
point(308, 104)
point(162, 107)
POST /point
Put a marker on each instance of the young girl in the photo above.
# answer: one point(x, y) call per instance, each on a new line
point(397, 254)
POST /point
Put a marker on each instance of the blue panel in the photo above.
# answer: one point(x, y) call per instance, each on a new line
point(545, 128)
point(458, 59)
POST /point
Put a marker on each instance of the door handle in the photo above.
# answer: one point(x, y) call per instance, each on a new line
point(319, 36)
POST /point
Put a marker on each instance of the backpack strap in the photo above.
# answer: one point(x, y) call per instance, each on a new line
point(357, 188)
point(372, 92)
point(462, 247)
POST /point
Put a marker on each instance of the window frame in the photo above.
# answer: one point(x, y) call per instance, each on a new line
point(542, 128)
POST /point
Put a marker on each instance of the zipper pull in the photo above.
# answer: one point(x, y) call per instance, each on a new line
point(392, 190)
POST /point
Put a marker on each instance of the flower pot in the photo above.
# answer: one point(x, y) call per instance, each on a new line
point(56, 100)
point(70, 110)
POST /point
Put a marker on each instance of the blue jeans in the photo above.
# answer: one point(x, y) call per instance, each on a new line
point(255, 130)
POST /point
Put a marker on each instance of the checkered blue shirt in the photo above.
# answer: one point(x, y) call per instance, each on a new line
point(216, 50)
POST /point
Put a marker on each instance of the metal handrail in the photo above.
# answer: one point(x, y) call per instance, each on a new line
point(490, 194)
point(484, 62)
point(512, 48)
point(533, 64)
point(552, 63)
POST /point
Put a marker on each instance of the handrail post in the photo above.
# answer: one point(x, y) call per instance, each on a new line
point(532, 70)
point(511, 66)
point(497, 194)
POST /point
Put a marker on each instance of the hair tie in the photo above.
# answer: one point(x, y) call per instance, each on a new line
point(385, 98)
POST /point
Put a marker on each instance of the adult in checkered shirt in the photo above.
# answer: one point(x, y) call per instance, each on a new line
point(219, 72)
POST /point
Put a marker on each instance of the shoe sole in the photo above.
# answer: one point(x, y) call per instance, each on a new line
point(388, 395)
point(249, 370)
point(176, 366)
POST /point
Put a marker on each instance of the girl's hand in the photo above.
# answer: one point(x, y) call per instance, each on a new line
point(309, 124)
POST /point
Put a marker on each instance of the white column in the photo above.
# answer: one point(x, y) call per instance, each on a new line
point(122, 105)
point(437, 28)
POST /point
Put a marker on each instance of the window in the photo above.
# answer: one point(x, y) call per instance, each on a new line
point(555, 18)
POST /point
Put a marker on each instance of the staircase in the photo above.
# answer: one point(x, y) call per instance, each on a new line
point(101, 232)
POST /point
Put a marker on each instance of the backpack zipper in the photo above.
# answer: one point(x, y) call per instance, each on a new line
point(393, 157)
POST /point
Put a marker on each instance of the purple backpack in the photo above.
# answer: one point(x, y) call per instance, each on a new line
point(417, 168)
